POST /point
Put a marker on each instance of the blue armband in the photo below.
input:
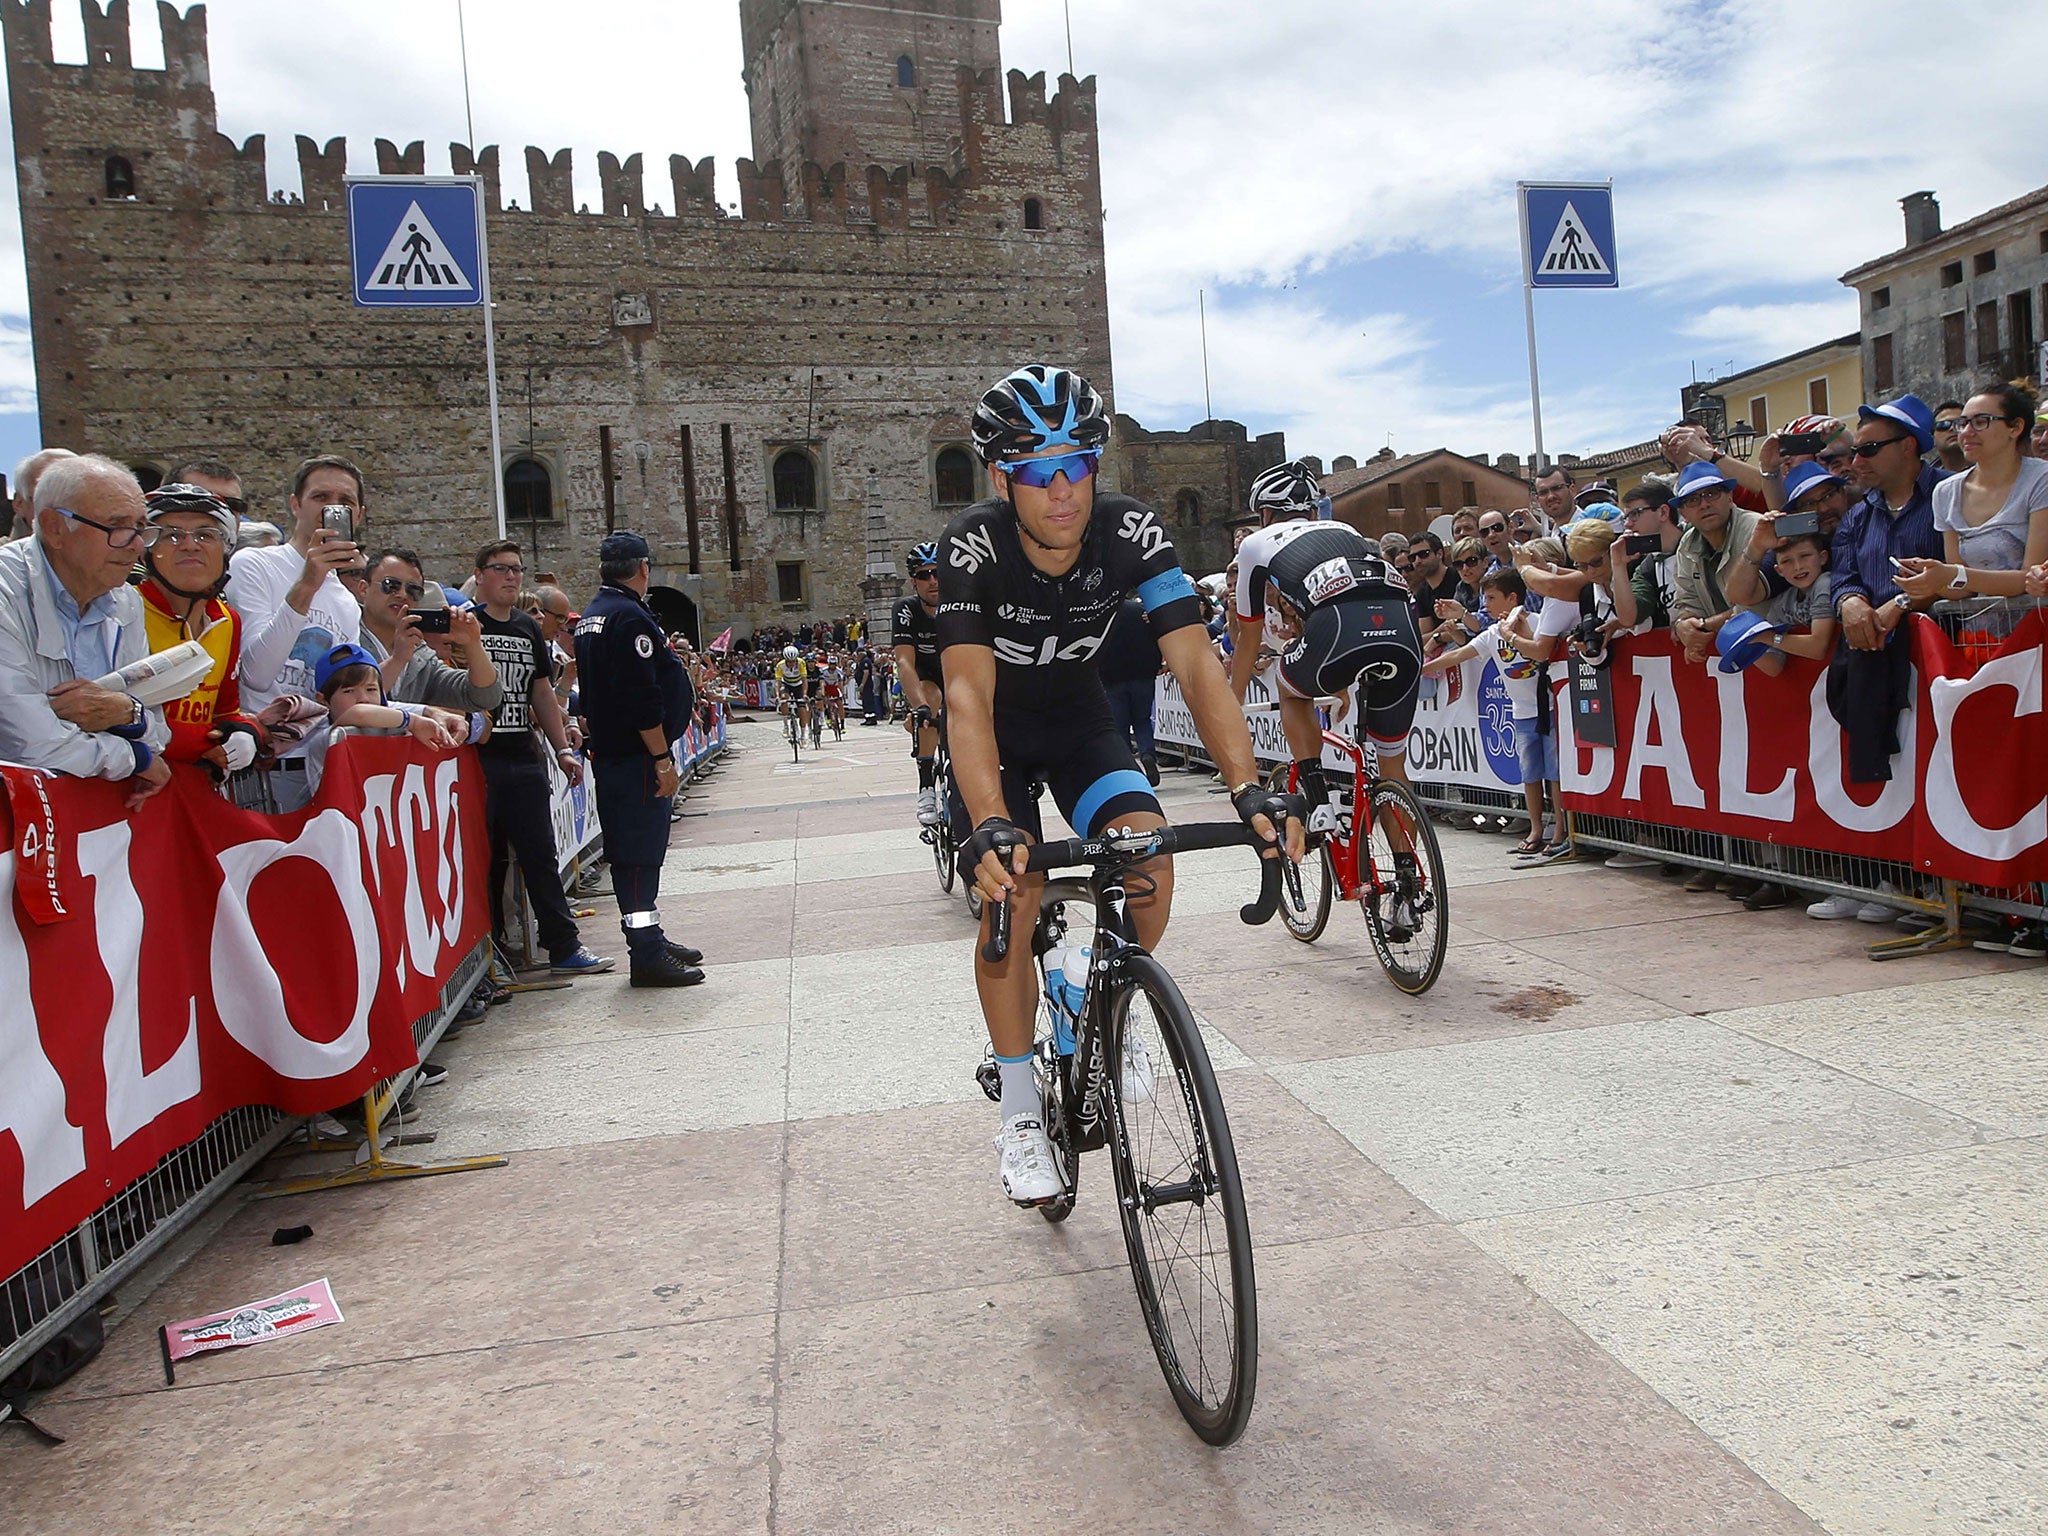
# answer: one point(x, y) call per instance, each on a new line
point(143, 756)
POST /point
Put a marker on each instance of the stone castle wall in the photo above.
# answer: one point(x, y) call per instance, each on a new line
point(858, 312)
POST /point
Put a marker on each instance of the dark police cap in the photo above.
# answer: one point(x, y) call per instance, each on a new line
point(624, 545)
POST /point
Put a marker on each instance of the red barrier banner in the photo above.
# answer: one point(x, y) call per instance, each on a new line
point(1762, 757)
point(200, 957)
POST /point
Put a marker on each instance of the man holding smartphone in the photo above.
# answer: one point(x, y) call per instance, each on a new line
point(1642, 582)
point(294, 611)
point(392, 628)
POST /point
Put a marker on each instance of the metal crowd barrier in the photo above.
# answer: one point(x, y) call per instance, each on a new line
point(133, 1226)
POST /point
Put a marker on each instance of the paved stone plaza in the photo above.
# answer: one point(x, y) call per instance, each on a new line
point(1654, 1216)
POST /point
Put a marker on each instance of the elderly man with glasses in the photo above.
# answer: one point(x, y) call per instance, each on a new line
point(68, 616)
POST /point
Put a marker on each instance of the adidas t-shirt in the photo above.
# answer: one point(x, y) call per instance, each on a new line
point(521, 654)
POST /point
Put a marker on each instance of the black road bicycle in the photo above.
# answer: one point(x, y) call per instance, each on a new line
point(1131, 1072)
point(792, 727)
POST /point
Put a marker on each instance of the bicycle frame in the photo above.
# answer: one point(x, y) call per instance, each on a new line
point(1082, 1078)
point(1344, 843)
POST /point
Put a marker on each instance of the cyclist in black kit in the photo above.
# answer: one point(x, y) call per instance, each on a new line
point(1029, 582)
point(916, 639)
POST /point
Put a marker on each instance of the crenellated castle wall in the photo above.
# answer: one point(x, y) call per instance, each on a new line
point(855, 310)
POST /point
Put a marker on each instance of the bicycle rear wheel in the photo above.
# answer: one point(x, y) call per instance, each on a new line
point(1407, 914)
point(942, 851)
point(1181, 1203)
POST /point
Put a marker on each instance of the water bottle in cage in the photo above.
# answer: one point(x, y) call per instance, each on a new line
point(1066, 987)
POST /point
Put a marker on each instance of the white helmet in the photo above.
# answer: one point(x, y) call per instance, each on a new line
point(790, 653)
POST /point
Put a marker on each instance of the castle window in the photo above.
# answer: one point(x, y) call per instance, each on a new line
point(1034, 213)
point(796, 481)
point(529, 492)
point(789, 583)
point(120, 177)
point(1187, 508)
point(954, 473)
point(906, 72)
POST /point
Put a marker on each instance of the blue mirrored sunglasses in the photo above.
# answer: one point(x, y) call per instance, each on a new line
point(1038, 473)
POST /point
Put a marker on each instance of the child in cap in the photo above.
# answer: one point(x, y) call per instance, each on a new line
point(352, 687)
point(1805, 606)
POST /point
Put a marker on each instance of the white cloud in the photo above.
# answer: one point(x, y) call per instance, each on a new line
point(1752, 330)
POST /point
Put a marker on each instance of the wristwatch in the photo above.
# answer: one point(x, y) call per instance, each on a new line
point(1960, 582)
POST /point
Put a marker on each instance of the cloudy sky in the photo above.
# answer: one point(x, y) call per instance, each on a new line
point(1338, 177)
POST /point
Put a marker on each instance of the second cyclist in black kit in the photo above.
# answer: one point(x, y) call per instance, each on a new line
point(916, 640)
point(1029, 582)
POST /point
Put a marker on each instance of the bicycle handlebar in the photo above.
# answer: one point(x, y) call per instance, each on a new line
point(1095, 852)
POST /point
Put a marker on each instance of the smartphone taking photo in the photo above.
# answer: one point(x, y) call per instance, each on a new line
point(1796, 525)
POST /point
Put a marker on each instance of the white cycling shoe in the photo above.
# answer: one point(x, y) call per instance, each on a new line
point(1323, 818)
point(928, 807)
point(1030, 1177)
point(1137, 1084)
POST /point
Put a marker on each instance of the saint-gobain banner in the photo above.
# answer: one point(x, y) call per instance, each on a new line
point(163, 968)
point(1464, 728)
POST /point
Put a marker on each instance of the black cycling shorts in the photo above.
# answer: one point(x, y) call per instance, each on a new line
point(1080, 756)
point(1339, 641)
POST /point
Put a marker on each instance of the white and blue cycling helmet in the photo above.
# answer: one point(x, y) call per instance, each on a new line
point(923, 554)
point(1035, 408)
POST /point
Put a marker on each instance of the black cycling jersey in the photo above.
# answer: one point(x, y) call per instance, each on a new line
point(917, 628)
point(1045, 630)
point(1313, 563)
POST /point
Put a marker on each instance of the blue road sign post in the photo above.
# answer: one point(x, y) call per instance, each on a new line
point(419, 242)
point(1567, 242)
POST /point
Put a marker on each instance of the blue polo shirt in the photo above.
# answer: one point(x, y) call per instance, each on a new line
point(1871, 534)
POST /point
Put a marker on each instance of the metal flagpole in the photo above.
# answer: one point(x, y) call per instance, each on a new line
point(483, 261)
point(1202, 309)
point(1529, 315)
point(1067, 10)
point(462, 37)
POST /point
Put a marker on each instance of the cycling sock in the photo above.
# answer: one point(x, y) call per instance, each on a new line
point(1308, 773)
point(926, 773)
point(1020, 1087)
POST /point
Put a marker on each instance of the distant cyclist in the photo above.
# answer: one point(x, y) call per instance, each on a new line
point(1319, 593)
point(917, 664)
point(1030, 582)
point(791, 678)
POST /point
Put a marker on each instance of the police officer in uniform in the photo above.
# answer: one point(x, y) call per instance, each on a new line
point(636, 700)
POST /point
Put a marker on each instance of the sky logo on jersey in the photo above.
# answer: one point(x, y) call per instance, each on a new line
point(1050, 651)
point(971, 548)
point(1143, 530)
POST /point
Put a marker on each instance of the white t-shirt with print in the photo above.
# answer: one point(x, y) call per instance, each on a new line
point(262, 577)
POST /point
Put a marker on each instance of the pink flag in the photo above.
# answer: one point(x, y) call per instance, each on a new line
point(722, 643)
point(295, 1311)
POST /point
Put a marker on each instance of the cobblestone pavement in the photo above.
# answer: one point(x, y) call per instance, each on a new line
point(1654, 1216)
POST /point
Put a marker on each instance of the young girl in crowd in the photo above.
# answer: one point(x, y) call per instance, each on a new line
point(1516, 646)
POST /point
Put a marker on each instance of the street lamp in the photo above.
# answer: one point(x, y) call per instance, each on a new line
point(1741, 438)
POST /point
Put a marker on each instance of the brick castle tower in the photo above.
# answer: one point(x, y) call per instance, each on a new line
point(779, 394)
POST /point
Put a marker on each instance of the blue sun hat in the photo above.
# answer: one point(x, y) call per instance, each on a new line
point(1741, 641)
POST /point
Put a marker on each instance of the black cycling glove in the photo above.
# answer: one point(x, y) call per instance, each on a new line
point(997, 835)
point(1255, 799)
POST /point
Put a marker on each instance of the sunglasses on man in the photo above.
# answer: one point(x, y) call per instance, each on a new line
point(923, 572)
point(1038, 473)
point(1872, 450)
point(391, 585)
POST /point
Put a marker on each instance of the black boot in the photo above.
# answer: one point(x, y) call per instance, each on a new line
point(1150, 763)
point(661, 968)
point(684, 953)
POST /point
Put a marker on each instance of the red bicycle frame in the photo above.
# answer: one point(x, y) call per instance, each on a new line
point(1342, 844)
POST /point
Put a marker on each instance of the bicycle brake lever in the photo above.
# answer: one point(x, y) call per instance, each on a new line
point(1262, 910)
point(998, 945)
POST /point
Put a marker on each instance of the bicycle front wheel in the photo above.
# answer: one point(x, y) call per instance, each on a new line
point(1182, 1206)
point(1407, 905)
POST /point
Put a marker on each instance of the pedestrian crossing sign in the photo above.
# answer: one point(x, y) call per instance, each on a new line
point(416, 241)
point(1568, 235)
